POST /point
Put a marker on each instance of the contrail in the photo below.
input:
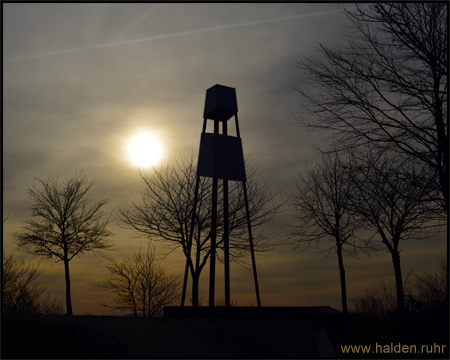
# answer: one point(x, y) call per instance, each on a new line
point(68, 51)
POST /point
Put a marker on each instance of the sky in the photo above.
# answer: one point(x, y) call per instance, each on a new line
point(81, 80)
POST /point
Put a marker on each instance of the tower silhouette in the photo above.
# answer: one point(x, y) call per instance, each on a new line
point(221, 157)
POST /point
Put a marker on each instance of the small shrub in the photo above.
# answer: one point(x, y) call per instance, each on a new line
point(20, 294)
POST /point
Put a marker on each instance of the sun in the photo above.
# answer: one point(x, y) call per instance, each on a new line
point(144, 150)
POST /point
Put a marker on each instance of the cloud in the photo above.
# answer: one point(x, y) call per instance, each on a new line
point(165, 36)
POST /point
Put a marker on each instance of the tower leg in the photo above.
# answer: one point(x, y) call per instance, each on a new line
point(226, 249)
point(255, 275)
point(212, 268)
point(226, 244)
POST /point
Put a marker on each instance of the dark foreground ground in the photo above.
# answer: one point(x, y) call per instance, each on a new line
point(420, 336)
point(44, 336)
point(41, 336)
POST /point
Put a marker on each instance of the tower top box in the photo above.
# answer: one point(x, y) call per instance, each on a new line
point(220, 103)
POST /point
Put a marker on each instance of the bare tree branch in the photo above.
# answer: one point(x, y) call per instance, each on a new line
point(140, 284)
point(20, 294)
point(323, 204)
point(165, 214)
point(387, 87)
point(67, 224)
point(391, 198)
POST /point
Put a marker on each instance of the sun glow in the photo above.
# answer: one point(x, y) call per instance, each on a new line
point(144, 149)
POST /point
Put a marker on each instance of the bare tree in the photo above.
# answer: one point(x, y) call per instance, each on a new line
point(432, 287)
point(323, 209)
point(426, 292)
point(67, 224)
point(165, 214)
point(388, 86)
point(391, 200)
point(141, 284)
point(380, 301)
point(20, 294)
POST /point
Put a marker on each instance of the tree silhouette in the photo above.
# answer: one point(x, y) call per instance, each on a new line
point(20, 294)
point(165, 214)
point(426, 292)
point(68, 224)
point(323, 209)
point(387, 87)
point(392, 200)
point(140, 284)
point(432, 287)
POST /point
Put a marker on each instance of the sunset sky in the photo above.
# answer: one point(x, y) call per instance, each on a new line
point(81, 80)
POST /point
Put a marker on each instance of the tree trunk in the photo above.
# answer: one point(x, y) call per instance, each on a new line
point(398, 281)
point(134, 305)
point(149, 301)
point(342, 276)
point(442, 162)
point(68, 299)
point(144, 300)
point(195, 280)
point(196, 276)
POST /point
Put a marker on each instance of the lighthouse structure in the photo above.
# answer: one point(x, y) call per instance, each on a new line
point(221, 157)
